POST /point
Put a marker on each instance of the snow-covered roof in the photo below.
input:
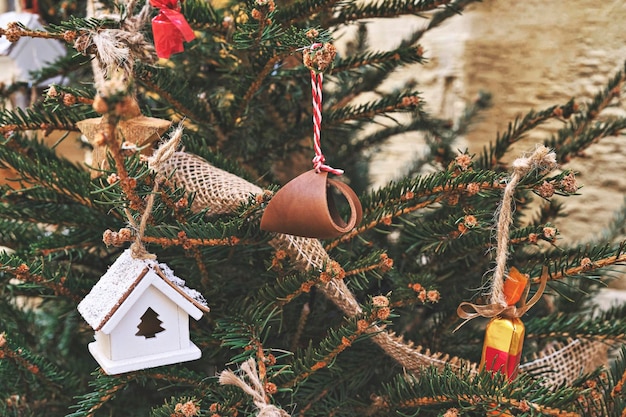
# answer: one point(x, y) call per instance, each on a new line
point(122, 278)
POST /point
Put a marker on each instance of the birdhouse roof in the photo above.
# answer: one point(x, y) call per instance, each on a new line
point(128, 275)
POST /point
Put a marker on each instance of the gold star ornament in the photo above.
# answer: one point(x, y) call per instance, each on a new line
point(132, 127)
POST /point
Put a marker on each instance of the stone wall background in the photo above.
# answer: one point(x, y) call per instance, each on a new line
point(529, 55)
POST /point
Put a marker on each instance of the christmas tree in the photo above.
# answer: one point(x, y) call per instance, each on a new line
point(414, 299)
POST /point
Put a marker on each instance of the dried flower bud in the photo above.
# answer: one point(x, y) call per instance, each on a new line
point(362, 325)
point(188, 409)
point(125, 234)
point(383, 313)
point(473, 188)
point(533, 237)
point(422, 296)
point(270, 359)
point(586, 264)
point(410, 101)
point(321, 58)
point(69, 36)
point(463, 161)
point(433, 296)
point(306, 286)
point(386, 263)
point(470, 221)
point(69, 99)
point(181, 203)
point(451, 412)
point(417, 287)
point(380, 301)
point(256, 15)
point(52, 92)
point(549, 232)
point(546, 190)
point(312, 34)
point(568, 183)
point(13, 33)
point(270, 388)
point(113, 178)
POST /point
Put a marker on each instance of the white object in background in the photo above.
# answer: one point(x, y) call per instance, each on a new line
point(140, 312)
point(27, 54)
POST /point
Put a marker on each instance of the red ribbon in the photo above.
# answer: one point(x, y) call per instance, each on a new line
point(170, 28)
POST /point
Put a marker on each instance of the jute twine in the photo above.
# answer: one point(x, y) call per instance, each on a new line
point(116, 48)
point(253, 388)
point(542, 160)
point(160, 155)
point(220, 192)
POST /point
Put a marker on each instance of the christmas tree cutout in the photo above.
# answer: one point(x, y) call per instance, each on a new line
point(150, 324)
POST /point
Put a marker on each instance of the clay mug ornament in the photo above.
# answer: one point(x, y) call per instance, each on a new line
point(305, 205)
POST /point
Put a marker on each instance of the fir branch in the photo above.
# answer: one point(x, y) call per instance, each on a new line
point(302, 10)
point(384, 61)
point(106, 388)
point(409, 101)
point(360, 11)
point(608, 326)
point(256, 85)
point(583, 264)
point(484, 392)
point(150, 79)
point(516, 130)
point(202, 15)
point(38, 118)
point(46, 374)
point(330, 347)
point(33, 273)
point(582, 122)
point(15, 30)
point(409, 196)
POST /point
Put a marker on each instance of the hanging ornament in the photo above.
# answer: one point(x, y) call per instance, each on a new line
point(170, 28)
point(132, 127)
point(305, 206)
point(139, 309)
point(504, 335)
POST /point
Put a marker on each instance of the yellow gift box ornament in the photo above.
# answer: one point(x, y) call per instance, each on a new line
point(504, 337)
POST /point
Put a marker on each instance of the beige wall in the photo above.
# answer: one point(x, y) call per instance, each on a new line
point(528, 55)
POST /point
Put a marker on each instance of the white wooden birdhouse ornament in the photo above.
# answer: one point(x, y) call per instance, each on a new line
point(140, 313)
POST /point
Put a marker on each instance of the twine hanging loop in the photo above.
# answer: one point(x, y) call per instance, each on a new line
point(254, 388)
point(542, 160)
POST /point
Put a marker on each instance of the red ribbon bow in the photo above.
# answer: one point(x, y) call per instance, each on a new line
point(170, 28)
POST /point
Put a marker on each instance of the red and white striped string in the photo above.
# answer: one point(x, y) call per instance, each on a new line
point(316, 91)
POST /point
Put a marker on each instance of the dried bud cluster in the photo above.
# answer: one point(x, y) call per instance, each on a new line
point(188, 409)
point(111, 238)
point(431, 296)
point(463, 162)
point(319, 59)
